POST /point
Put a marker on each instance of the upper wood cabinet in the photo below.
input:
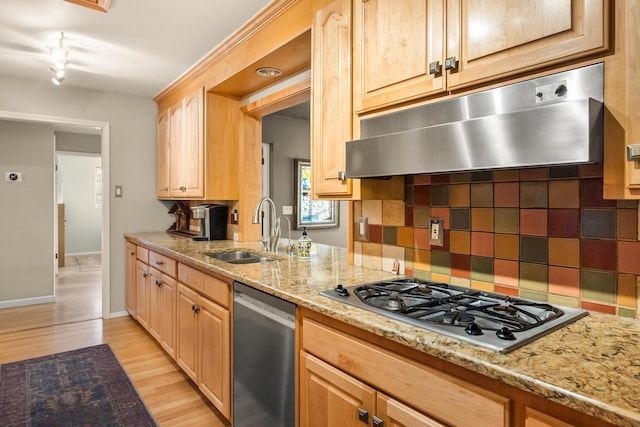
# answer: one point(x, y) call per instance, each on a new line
point(331, 100)
point(488, 39)
point(163, 148)
point(396, 43)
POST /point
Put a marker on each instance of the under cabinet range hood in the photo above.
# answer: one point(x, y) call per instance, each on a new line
point(548, 121)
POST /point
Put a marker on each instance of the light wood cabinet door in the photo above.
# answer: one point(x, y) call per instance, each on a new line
point(393, 413)
point(153, 303)
point(331, 100)
point(187, 331)
point(176, 118)
point(395, 43)
point(193, 145)
point(215, 355)
point(130, 278)
point(490, 39)
point(142, 284)
point(163, 153)
point(165, 294)
point(535, 418)
point(329, 397)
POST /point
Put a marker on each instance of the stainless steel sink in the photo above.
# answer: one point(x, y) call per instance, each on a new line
point(238, 257)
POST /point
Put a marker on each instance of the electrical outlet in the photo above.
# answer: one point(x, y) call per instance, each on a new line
point(287, 210)
point(436, 231)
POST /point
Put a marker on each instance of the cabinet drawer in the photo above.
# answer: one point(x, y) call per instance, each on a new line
point(209, 286)
point(142, 254)
point(162, 263)
point(445, 397)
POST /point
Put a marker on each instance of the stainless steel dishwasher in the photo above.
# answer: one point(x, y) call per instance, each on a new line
point(263, 359)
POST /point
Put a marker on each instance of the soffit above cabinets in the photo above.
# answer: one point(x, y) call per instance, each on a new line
point(290, 58)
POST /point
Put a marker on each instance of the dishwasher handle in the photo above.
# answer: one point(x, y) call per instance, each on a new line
point(266, 310)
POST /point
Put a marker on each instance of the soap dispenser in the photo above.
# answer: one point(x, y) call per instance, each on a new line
point(304, 245)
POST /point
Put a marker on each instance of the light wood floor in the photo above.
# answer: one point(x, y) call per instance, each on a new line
point(34, 331)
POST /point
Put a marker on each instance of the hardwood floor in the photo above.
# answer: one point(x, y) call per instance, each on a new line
point(74, 321)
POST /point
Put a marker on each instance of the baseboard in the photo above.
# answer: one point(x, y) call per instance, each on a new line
point(82, 253)
point(27, 301)
point(117, 314)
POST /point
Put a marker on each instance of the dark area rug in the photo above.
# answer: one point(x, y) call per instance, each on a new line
point(80, 388)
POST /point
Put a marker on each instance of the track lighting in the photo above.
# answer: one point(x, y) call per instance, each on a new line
point(57, 80)
point(59, 60)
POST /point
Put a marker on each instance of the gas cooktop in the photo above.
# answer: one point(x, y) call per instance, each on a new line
point(495, 321)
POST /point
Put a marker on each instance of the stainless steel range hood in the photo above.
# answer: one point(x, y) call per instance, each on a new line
point(553, 120)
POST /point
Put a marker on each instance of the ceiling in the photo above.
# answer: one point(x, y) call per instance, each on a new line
point(139, 47)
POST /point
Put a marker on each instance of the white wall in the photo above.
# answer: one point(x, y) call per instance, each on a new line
point(83, 219)
point(290, 139)
point(132, 157)
point(26, 218)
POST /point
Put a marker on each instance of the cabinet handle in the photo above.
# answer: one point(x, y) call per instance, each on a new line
point(363, 415)
point(451, 63)
point(183, 188)
point(342, 176)
point(145, 275)
point(435, 67)
point(377, 422)
point(159, 262)
point(158, 283)
point(133, 253)
point(195, 309)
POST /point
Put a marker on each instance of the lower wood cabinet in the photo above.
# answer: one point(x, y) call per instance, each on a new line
point(203, 349)
point(142, 286)
point(162, 309)
point(130, 278)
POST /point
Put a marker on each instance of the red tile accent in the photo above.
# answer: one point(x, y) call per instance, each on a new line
point(506, 290)
point(591, 194)
point(593, 170)
point(629, 257)
point(482, 244)
point(442, 213)
point(564, 281)
point(564, 222)
point(533, 222)
point(439, 179)
point(598, 307)
point(506, 272)
point(422, 179)
point(422, 195)
point(506, 194)
point(539, 174)
point(408, 216)
point(598, 254)
point(461, 266)
point(421, 238)
point(375, 233)
point(408, 272)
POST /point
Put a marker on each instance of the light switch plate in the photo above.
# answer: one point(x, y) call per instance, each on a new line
point(363, 228)
point(287, 210)
point(436, 231)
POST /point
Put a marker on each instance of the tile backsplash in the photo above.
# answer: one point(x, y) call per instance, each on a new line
point(544, 234)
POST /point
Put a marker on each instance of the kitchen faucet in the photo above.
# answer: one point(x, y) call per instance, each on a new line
point(274, 232)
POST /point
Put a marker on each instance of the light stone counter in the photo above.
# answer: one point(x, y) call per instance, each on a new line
point(592, 365)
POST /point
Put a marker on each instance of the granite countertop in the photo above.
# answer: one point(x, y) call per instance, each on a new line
point(591, 365)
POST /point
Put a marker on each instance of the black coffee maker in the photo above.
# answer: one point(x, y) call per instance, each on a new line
point(213, 221)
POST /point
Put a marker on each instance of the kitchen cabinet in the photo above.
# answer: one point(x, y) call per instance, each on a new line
point(162, 309)
point(130, 278)
point(434, 396)
point(398, 51)
point(409, 49)
point(331, 101)
point(142, 286)
point(535, 418)
point(204, 335)
point(163, 155)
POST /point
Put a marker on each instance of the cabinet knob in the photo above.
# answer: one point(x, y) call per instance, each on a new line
point(377, 422)
point(195, 309)
point(435, 67)
point(183, 188)
point(145, 275)
point(132, 253)
point(451, 63)
point(158, 283)
point(159, 262)
point(342, 176)
point(363, 415)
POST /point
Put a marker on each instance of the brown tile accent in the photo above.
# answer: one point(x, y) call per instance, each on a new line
point(375, 233)
point(559, 172)
point(442, 213)
point(506, 290)
point(591, 171)
point(408, 216)
point(372, 209)
point(598, 286)
point(405, 237)
point(392, 212)
point(564, 252)
point(482, 244)
point(507, 246)
point(626, 312)
point(482, 268)
point(461, 266)
point(533, 277)
point(389, 235)
point(422, 179)
point(357, 210)
point(441, 262)
point(506, 194)
point(564, 222)
point(459, 195)
point(440, 179)
point(533, 194)
point(422, 260)
point(506, 175)
point(599, 223)
point(539, 174)
point(627, 290)
point(627, 204)
point(534, 249)
point(533, 222)
point(564, 281)
point(372, 256)
point(459, 281)
point(421, 216)
point(482, 219)
point(482, 176)
point(421, 238)
point(507, 220)
point(629, 257)
point(564, 194)
point(439, 195)
point(506, 272)
point(460, 177)
point(564, 300)
point(601, 308)
point(627, 224)
point(422, 195)
point(408, 194)
point(461, 242)
point(591, 194)
point(598, 254)
point(460, 219)
point(482, 195)
point(446, 240)
point(534, 295)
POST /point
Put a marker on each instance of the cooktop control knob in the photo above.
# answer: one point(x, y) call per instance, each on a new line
point(341, 291)
point(473, 329)
point(506, 334)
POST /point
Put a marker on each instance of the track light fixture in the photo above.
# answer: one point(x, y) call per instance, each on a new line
point(59, 60)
